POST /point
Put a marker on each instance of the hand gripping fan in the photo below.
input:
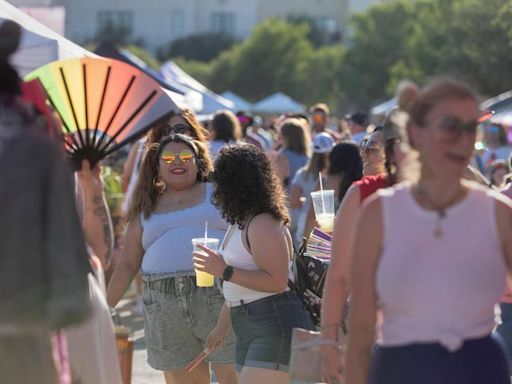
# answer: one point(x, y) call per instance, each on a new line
point(102, 103)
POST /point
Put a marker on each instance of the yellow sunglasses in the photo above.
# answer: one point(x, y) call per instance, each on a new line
point(170, 157)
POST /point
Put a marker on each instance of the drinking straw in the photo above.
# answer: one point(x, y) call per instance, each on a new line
point(322, 190)
point(205, 232)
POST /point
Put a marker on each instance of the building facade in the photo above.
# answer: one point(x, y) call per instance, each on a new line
point(158, 22)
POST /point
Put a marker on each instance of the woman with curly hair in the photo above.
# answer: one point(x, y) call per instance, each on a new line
point(254, 262)
point(170, 207)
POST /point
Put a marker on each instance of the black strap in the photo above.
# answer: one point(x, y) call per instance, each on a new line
point(247, 233)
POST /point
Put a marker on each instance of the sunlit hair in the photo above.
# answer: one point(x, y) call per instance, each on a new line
point(197, 130)
point(226, 127)
point(316, 164)
point(147, 190)
point(297, 136)
point(435, 93)
point(245, 185)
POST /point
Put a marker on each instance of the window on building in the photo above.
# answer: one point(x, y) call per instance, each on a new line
point(222, 23)
point(121, 20)
point(177, 24)
point(327, 24)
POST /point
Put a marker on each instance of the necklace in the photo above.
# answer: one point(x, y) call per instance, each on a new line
point(440, 210)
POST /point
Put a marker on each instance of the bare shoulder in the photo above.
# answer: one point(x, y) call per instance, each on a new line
point(264, 222)
point(353, 195)
point(503, 212)
point(372, 208)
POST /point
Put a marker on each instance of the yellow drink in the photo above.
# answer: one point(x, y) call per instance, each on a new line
point(204, 279)
point(326, 222)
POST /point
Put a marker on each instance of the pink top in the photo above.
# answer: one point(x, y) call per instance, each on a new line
point(438, 289)
point(507, 296)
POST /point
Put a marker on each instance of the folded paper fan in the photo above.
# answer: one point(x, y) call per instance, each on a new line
point(102, 104)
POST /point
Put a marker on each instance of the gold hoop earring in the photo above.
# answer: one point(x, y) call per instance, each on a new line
point(159, 185)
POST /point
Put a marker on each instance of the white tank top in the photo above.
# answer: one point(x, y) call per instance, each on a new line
point(236, 254)
point(438, 289)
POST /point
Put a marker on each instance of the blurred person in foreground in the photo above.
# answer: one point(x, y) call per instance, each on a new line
point(435, 320)
point(335, 305)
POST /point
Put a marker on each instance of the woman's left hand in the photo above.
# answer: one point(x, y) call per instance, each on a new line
point(211, 262)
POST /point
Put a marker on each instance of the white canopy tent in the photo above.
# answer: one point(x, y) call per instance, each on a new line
point(383, 108)
point(211, 102)
point(39, 44)
point(278, 103)
point(240, 103)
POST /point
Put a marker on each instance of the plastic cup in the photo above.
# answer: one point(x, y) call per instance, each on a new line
point(204, 279)
point(323, 204)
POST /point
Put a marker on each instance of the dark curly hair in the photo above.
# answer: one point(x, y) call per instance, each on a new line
point(245, 185)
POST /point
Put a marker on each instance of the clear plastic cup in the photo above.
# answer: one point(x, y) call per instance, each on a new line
point(204, 279)
point(323, 204)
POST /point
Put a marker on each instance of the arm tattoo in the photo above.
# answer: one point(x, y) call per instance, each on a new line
point(101, 211)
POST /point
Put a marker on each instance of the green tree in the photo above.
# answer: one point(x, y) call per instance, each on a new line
point(467, 39)
point(316, 35)
point(322, 82)
point(378, 41)
point(199, 47)
point(274, 58)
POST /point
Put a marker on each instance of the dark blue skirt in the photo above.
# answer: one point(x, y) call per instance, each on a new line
point(479, 361)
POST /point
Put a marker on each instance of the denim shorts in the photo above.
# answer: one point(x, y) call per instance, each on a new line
point(263, 330)
point(178, 317)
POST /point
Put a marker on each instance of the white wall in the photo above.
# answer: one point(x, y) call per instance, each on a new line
point(152, 18)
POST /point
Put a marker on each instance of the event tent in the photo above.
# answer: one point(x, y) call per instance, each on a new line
point(240, 103)
point(211, 102)
point(383, 108)
point(39, 44)
point(502, 102)
point(277, 103)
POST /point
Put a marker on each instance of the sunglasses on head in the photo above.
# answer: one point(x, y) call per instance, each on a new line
point(177, 128)
point(170, 157)
point(369, 147)
point(451, 128)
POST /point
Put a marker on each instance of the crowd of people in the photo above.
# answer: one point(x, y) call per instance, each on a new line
point(421, 249)
point(404, 201)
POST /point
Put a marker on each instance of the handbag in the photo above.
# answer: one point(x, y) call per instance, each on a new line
point(309, 274)
point(305, 359)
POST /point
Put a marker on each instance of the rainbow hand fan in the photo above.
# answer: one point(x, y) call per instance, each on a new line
point(102, 103)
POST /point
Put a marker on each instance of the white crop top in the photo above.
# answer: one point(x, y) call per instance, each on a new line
point(236, 254)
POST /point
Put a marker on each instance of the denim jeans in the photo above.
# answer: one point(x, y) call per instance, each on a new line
point(263, 330)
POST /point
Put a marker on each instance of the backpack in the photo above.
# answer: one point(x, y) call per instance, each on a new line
point(310, 273)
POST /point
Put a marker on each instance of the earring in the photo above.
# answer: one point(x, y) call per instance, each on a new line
point(159, 185)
